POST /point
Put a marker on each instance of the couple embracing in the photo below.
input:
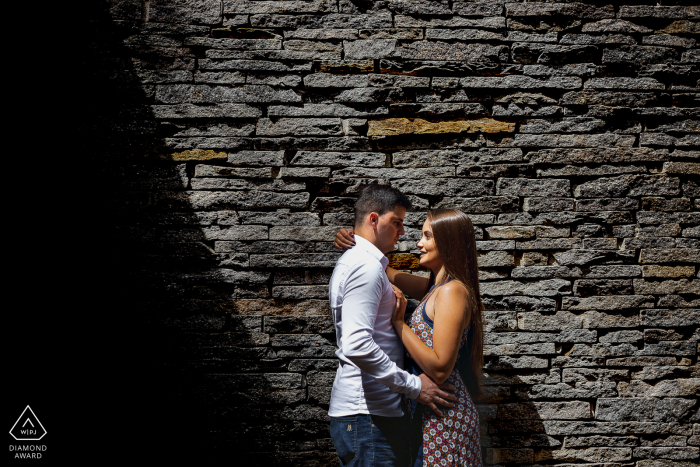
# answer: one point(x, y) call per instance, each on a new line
point(403, 393)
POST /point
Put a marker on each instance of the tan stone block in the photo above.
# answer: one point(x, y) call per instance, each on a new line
point(681, 27)
point(282, 307)
point(404, 261)
point(345, 66)
point(686, 168)
point(681, 286)
point(654, 270)
point(197, 155)
point(510, 232)
point(402, 126)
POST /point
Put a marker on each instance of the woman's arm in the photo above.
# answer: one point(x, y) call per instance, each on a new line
point(414, 286)
point(450, 321)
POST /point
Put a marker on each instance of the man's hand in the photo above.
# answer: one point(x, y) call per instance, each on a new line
point(344, 239)
point(431, 394)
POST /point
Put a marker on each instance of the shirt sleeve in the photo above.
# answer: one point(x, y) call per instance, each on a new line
point(362, 293)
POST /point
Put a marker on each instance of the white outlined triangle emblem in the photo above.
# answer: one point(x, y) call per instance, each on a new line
point(23, 431)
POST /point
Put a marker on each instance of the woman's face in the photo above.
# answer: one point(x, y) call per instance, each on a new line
point(429, 257)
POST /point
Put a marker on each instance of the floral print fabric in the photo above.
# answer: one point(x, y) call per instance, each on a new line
point(454, 439)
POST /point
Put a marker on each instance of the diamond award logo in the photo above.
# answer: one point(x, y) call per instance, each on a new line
point(28, 427)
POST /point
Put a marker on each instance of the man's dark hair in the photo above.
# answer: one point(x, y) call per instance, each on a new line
point(380, 199)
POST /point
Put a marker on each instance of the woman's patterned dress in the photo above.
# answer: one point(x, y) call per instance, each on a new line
point(452, 440)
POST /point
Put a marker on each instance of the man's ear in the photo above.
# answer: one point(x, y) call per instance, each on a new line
point(373, 219)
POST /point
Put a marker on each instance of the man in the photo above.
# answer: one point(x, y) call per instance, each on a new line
point(368, 422)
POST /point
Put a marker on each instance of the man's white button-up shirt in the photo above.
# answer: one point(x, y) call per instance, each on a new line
point(370, 377)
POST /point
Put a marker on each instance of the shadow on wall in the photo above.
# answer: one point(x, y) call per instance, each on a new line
point(513, 433)
point(169, 344)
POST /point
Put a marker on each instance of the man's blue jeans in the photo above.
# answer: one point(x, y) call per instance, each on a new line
point(371, 441)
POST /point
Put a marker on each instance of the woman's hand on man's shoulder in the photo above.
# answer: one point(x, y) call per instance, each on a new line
point(344, 239)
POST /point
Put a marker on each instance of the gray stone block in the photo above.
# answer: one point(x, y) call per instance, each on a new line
point(181, 11)
point(339, 159)
point(300, 126)
point(523, 187)
point(642, 409)
point(289, 6)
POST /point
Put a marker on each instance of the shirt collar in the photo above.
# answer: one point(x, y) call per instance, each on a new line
point(371, 249)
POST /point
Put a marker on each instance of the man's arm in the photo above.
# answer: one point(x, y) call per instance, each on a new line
point(363, 291)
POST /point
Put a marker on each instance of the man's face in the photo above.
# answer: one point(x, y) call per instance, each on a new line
point(390, 228)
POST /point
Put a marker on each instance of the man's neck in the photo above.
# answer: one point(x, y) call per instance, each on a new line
point(369, 236)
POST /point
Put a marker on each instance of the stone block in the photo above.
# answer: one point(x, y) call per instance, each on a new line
point(484, 204)
point(303, 233)
point(577, 10)
point(524, 187)
point(462, 35)
point(506, 363)
point(534, 259)
point(246, 200)
point(253, 65)
point(629, 185)
point(240, 7)
point(565, 125)
point(510, 232)
point(446, 187)
point(520, 82)
point(545, 410)
point(674, 12)
point(181, 11)
point(244, 44)
point(645, 361)
point(582, 390)
point(579, 257)
point(275, 158)
point(613, 302)
point(205, 94)
point(550, 244)
point(603, 455)
point(180, 111)
point(568, 141)
point(550, 288)
point(625, 84)
point(519, 349)
point(300, 126)
point(621, 336)
point(325, 260)
point(339, 159)
point(323, 110)
point(674, 388)
point(369, 49)
point(574, 375)
point(643, 409)
point(401, 126)
point(680, 286)
point(326, 80)
point(597, 156)
point(543, 272)
point(670, 318)
point(600, 243)
point(684, 168)
point(671, 453)
point(565, 320)
point(197, 155)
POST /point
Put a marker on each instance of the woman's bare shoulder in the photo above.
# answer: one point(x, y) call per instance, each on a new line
point(456, 288)
point(454, 291)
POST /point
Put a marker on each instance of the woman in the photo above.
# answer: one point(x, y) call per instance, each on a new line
point(448, 323)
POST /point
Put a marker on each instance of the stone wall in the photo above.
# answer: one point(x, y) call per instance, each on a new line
point(233, 136)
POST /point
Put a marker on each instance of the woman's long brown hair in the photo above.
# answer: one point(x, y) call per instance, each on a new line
point(456, 244)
